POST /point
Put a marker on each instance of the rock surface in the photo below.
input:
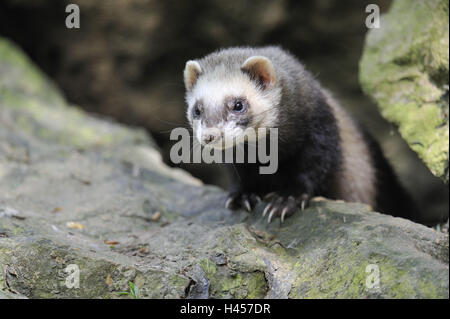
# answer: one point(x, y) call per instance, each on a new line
point(405, 69)
point(78, 191)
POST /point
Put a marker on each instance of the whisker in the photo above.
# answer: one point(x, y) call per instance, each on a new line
point(237, 173)
point(172, 123)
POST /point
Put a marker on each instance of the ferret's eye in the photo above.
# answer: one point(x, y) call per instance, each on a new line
point(239, 106)
point(196, 112)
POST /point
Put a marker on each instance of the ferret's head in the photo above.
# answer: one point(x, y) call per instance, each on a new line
point(227, 100)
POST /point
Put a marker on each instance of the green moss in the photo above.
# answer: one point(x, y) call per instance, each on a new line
point(244, 285)
point(342, 275)
point(179, 283)
point(428, 290)
point(23, 75)
point(68, 126)
point(230, 283)
point(337, 278)
point(208, 267)
point(39, 109)
point(405, 69)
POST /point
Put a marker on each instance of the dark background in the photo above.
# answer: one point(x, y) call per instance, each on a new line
point(126, 62)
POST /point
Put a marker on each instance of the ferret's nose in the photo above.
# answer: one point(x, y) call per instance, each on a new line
point(209, 138)
point(211, 135)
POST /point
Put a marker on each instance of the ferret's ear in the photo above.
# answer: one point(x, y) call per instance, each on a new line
point(191, 73)
point(260, 69)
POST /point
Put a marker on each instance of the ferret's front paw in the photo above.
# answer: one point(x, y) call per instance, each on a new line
point(236, 200)
point(284, 206)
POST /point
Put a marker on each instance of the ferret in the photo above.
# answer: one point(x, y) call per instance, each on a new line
point(322, 150)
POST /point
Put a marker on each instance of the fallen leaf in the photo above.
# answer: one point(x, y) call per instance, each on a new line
point(108, 280)
point(111, 242)
point(143, 250)
point(156, 216)
point(75, 225)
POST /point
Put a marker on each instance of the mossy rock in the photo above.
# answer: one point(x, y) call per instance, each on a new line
point(405, 69)
point(79, 191)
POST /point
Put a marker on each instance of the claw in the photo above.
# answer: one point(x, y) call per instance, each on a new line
point(283, 214)
point(269, 206)
point(247, 205)
point(258, 199)
point(304, 201)
point(272, 212)
point(228, 202)
point(269, 195)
